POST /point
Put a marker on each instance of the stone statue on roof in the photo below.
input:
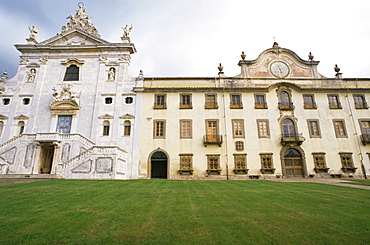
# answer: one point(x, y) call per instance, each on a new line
point(81, 20)
point(127, 30)
point(33, 32)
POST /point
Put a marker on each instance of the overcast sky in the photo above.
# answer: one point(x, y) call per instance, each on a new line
point(191, 37)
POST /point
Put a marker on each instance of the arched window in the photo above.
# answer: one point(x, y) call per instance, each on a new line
point(72, 73)
point(1, 127)
point(21, 125)
point(284, 98)
point(106, 126)
point(288, 128)
point(127, 128)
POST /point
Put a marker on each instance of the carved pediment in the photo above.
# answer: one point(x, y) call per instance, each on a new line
point(127, 116)
point(21, 117)
point(73, 61)
point(279, 63)
point(106, 116)
point(2, 117)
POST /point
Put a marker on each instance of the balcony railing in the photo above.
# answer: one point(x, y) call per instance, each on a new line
point(160, 106)
point(186, 105)
point(292, 139)
point(260, 105)
point(286, 106)
point(365, 138)
point(212, 139)
point(211, 105)
point(234, 105)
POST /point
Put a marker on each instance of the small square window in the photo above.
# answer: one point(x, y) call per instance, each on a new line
point(239, 146)
point(129, 100)
point(6, 101)
point(26, 101)
point(108, 100)
point(236, 101)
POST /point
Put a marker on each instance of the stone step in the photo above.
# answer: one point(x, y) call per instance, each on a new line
point(30, 176)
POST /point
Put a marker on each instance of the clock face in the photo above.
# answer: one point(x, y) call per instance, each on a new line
point(279, 69)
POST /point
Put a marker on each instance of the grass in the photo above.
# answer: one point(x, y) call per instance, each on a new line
point(182, 212)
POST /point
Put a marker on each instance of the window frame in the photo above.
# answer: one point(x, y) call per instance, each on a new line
point(70, 74)
point(188, 104)
point(236, 104)
point(347, 163)
point(310, 132)
point(159, 103)
point(239, 146)
point(106, 128)
point(311, 105)
point(127, 128)
point(108, 100)
point(363, 104)
point(342, 121)
point(157, 130)
point(129, 100)
point(270, 163)
point(210, 158)
point(267, 128)
point(182, 135)
point(236, 129)
point(240, 162)
point(337, 104)
point(258, 104)
point(319, 160)
point(184, 161)
point(210, 104)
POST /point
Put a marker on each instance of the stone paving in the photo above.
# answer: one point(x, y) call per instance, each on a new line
point(338, 182)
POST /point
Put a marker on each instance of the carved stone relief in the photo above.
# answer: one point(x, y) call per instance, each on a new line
point(9, 155)
point(29, 155)
point(83, 168)
point(65, 152)
point(104, 164)
point(121, 166)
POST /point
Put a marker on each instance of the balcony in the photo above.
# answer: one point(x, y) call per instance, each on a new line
point(186, 105)
point(292, 139)
point(365, 138)
point(260, 105)
point(286, 106)
point(160, 106)
point(236, 105)
point(212, 139)
point(211, 105)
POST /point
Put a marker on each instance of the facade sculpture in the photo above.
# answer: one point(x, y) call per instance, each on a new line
point(72, 111)
point(33, 32)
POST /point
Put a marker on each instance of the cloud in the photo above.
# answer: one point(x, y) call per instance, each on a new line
point(191, 37)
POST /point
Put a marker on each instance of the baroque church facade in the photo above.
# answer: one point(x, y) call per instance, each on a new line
point(72, 111)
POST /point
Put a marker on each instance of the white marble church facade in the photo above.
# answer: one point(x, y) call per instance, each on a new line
point(72, 111)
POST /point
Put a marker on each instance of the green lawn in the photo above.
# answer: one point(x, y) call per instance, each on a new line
point(182, 212)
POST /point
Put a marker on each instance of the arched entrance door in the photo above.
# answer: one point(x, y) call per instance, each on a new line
point(158, 163)
point(293, 163)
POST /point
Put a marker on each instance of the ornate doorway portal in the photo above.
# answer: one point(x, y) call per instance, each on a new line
point(158, 165)
point(293, 163)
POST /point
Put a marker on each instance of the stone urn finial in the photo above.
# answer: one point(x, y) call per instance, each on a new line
point(220, 67)
point(310, 56)
point(243, 55)
point(336, 68)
